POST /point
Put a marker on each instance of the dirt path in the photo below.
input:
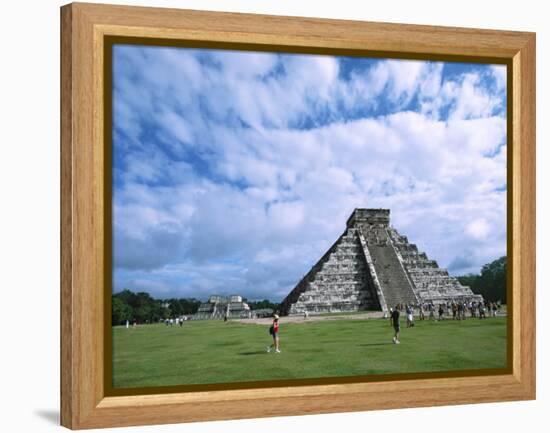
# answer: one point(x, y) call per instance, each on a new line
point(353, 316)
point(301, 319)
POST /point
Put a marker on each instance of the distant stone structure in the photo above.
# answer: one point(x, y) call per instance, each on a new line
point(372, 267)
point(219, 307)
point(262, 312)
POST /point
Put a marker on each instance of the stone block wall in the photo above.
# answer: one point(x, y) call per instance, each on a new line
point(339, 282)
point(430, 282)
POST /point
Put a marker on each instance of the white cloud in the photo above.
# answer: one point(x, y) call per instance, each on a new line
point(478, 229)
point(219, 190)
point(287, 215)
point(499, 74)
point(245, 65)
point(177, 125)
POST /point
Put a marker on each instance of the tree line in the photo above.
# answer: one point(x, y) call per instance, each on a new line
point(261, 305)
point(490, 282)
point(143, 308)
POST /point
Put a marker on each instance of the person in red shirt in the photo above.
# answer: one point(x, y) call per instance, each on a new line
point(274, 331)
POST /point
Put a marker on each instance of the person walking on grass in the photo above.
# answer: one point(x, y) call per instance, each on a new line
point(395, 322)
point(274, 331)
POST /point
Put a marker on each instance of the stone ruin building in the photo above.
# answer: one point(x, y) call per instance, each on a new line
point(372, 267)
point(219, 307)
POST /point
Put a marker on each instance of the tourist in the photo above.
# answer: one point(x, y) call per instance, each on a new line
point(431, 309)
point(395, 322)
point(410, 318)
point(274, 331)
point(481, 310)
point(462, 307)
point(440, 311)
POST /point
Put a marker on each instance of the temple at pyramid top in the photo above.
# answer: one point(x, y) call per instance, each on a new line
point(361, 216)
point(372, 267)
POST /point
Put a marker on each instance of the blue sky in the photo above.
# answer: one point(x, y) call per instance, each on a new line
point(233, 172)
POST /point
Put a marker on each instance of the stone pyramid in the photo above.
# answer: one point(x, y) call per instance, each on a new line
point(372, 267)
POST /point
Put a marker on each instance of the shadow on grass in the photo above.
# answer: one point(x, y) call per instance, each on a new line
point(376, 344)
point(255, 352)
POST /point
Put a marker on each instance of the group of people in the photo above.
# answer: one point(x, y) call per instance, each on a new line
point(458, 310)
point(134, 323)
point(168, 322)
point(177, 321)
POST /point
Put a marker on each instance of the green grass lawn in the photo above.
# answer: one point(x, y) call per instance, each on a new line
point(203, 352)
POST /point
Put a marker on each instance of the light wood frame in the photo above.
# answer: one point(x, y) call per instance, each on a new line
point(84, 403)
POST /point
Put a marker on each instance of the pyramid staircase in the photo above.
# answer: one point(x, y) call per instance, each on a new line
point(393, 278)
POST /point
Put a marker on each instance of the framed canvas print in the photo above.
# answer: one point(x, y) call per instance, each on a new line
point(269, 216)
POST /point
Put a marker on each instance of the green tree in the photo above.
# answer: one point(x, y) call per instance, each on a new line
point(491, 282)
point(140, 306)
point(121, 311)
point(260, 305)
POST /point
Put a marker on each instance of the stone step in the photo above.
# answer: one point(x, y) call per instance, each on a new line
point(343, 256)
point(324, 308)
point(327, 291)
point(435, 281)
point(351, 248)
point(338, 279)
point(412, 264)
point(391, 276)
point(427, 272)
point(342, 269)
point(328, 299)
point(335, 286)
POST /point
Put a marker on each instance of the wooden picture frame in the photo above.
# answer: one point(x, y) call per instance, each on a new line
point(85, 402)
